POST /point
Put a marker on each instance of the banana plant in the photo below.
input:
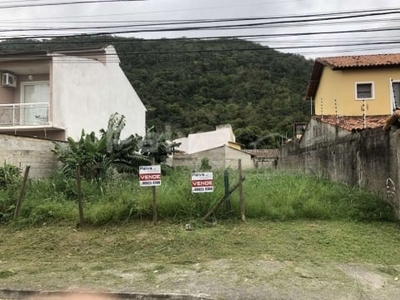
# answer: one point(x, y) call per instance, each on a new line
point(96, 156)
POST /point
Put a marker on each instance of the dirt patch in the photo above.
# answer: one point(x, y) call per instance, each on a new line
point(228, 279)
point(224, 279)
point(370, 279)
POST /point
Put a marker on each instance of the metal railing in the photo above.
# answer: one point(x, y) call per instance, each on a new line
point(24, 114)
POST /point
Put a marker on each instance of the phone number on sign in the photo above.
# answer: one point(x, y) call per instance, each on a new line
point(204, 189)
point(156, 182)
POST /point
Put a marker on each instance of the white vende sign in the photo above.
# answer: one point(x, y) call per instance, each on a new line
point(150, 175)
point(202, 182)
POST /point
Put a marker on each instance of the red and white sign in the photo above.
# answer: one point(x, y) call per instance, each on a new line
point(150, 175)
point(202, 182)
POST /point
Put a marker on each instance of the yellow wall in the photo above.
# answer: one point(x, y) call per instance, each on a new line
point(341, 85)
point(234, 145)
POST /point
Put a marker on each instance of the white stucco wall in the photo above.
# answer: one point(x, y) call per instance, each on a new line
point(197, 142)
point(85, 92)
point(183, 144)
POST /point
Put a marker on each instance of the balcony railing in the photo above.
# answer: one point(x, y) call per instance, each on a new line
point(24, 114)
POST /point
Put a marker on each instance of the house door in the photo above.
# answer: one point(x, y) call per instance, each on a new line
point(37, 94)
point(396, 92)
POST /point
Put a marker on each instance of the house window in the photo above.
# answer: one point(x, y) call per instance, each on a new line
point(364, 90)
point(396, 92)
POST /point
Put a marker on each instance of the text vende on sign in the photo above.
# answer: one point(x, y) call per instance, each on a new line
point(202, 182)
point(150, 175)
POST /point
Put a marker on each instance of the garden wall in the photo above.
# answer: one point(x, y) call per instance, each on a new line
point(23, 151)
point(368, 159)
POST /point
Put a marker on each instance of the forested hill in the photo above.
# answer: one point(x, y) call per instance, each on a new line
point(194, 85)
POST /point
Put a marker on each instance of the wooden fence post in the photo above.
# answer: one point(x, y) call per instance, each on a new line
point(22, 192)
point(154, 199)
point(226, 185)
point(79, 191)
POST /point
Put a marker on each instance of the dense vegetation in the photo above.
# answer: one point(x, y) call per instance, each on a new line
point(192, 85)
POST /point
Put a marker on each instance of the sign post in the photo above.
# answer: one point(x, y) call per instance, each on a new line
point(202, 182)
point(151, 176)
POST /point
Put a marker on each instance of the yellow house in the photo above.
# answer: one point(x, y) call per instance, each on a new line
point(363, 85)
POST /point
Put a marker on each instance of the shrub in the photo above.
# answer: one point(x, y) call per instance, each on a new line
point(9, 175)
point(10, 184)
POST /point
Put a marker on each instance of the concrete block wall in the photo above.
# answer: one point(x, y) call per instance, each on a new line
point(368, 159)
point(23, 151)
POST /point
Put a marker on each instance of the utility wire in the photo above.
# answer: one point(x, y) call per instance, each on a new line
point(244, 23)
point(180, 10)
point(70, 59)
point(63, 3)
point(366, 42)
point(290, 20)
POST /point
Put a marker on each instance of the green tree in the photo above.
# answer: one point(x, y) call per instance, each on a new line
point(248, 135)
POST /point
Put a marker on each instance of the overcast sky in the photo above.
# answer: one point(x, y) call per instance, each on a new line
point(60, 19)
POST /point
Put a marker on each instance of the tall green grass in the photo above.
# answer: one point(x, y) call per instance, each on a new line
point(283, 196)
point(268, 195)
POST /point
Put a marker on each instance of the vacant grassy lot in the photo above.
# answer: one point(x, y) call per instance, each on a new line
point(269, 195)
point(306, 238)
point(230, 260)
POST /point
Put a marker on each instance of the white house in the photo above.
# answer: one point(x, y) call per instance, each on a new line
point(219, 147)
point(197, 142)
point(56, 94)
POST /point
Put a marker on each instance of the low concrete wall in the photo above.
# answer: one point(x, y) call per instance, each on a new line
point(367, 159)
point(24, 151)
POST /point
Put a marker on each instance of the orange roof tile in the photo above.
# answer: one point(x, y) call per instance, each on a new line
point(353, 123)
point(361, 61)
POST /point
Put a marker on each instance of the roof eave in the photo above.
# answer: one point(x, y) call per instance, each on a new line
point(315, 79)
